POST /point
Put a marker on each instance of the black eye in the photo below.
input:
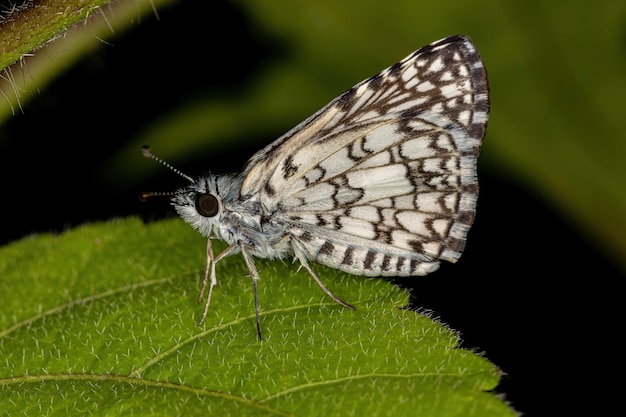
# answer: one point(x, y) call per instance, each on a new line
point(207, 205)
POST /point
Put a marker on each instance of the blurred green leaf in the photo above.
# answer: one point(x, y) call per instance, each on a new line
point(44, 38)
point(103, 318)
point(26, 26)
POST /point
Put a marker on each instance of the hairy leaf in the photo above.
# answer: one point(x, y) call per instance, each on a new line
point(104, 318)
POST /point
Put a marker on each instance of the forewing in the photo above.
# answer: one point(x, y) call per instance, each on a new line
point(392, 160)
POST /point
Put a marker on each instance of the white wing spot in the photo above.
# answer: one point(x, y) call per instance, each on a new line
point(428, 202)
point(463, 71)
point(417, 148)
point(438, 108)
point(437, 65)
point(414, 222)
point(369, 213)
point(451, 201)
point(446, 76)
point(409, 73)
point(409, 85)
point(357, 227)
point(432, 165)
point(399, 97)
point(464, 117)
point(382, 137)
point(444, 141)
point(450, 90)
point(440, 226)
point(364, 95)
point(425, 86)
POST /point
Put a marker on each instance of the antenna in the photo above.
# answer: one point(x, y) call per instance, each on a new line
point(143, 197)
point(145, 150)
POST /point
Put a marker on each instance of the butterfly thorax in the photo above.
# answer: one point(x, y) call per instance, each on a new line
point(214, 207)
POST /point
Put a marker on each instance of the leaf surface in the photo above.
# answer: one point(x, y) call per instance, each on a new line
point(104, 318)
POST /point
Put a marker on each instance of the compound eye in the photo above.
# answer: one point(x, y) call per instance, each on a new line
point(207, 205)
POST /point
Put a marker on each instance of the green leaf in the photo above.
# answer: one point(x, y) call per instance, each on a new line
point(104, 318)
point(29, 26)
point(58, 33)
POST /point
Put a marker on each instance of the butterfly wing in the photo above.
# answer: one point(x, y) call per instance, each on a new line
point(388, 167)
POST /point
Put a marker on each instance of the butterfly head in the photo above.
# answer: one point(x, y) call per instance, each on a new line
point(202, 203)
point(198, 204)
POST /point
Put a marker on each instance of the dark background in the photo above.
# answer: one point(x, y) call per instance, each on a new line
point(540, 299)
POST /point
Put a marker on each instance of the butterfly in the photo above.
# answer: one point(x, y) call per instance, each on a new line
point(382, 181)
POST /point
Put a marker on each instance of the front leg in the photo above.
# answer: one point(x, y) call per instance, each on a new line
point(209, 262)
point(210, 277)
point(209, 274)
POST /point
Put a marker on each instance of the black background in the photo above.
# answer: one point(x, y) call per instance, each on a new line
point(538, 298)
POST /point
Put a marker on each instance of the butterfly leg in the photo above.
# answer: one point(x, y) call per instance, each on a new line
point(209, 262)
point(300, 255)
point(209, 274)
point(255, 278)
point(306, 266)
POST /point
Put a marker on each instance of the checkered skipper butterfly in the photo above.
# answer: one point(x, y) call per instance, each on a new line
point(379, 182)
